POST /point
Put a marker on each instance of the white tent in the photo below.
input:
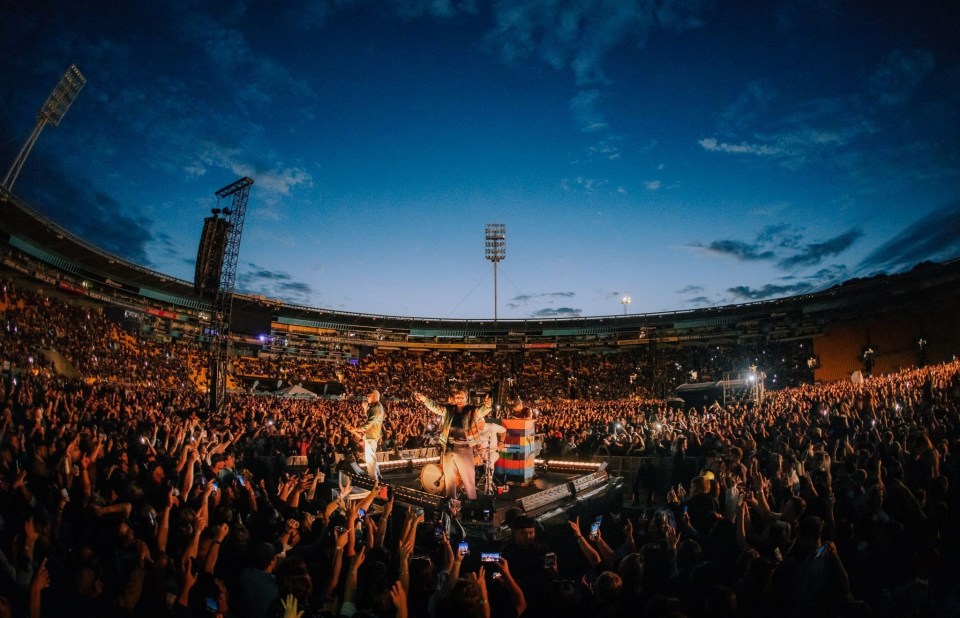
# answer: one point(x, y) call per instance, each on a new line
point(295, 391)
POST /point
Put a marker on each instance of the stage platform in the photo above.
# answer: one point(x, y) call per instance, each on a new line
point(556, 489)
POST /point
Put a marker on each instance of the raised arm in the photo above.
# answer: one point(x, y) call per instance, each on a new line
point(593, 558)
point(429, 404)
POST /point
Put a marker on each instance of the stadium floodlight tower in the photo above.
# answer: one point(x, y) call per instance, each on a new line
point(52, 112)
point(496, 250)
point(216, 276)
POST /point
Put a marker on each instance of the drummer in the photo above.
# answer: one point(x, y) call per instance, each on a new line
point(460, 428)
point(491, 440)
point(519, 410)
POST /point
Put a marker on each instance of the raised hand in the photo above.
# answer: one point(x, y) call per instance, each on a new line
point(289, 606)
point(357, 559)
point(42, 579)
point(399, 597)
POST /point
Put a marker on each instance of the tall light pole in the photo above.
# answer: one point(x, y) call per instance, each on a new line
point(626, 300)
point(496, 250)
point(52, 112)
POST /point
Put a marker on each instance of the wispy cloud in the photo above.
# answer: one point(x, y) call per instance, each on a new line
point(274, 284)
point(740, 250)
point(895, 80)
point(521, 300)
point(814, 253)
point(579, 35)
point(782, 245)
point(819, 280)
point(690, 289)
point(652, 185)
point(749, 107)
point(95, 216)
point(559, 312)
point(273, 181)
point(745, 292)
point(228, 52)
point(711, 144)
point(935, 236)
point(822, 130)
point(412, 9)
point(584, 109)
point(585, 184)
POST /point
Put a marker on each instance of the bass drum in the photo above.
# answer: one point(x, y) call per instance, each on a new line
point(431, 479)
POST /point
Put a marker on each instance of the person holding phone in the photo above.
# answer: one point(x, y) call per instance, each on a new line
point(502, 576)
point(589, 552)
point(527, 555)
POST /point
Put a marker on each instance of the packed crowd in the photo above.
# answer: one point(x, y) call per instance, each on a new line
point(570, 374)
point(125, 497)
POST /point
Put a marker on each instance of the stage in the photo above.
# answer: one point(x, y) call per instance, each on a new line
point(556, 489)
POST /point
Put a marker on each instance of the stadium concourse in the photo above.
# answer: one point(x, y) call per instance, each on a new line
point(121, 494)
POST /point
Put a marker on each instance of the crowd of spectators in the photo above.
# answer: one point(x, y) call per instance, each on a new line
point(121, 495)
point(570, 374)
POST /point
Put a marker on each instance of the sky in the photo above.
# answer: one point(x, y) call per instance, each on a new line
point(682, 153)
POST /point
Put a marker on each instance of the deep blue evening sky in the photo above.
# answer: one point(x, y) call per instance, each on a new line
point(686, 153)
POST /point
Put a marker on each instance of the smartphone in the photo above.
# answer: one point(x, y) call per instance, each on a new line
point(216, 486)
point(361, 513)
point(595, 528)
point(213, 607)
point(490, 557)
point(438, 532)
point(384, 493)
point(419, 511)
point(463, 548)
point(497, 575)
point(685, 509)
point(820, 551)
point(549, 560)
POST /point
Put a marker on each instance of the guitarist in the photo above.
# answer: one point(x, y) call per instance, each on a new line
point(370, 432)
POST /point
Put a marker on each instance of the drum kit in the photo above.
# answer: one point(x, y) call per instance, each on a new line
point(486, 455)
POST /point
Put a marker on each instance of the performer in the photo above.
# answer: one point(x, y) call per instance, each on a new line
point(461, 425)
point(370, 432)
point(519, 410)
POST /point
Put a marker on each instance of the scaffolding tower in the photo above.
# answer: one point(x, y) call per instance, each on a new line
point(237, 192)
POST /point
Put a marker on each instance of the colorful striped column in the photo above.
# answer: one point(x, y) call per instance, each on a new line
point(516, 456)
